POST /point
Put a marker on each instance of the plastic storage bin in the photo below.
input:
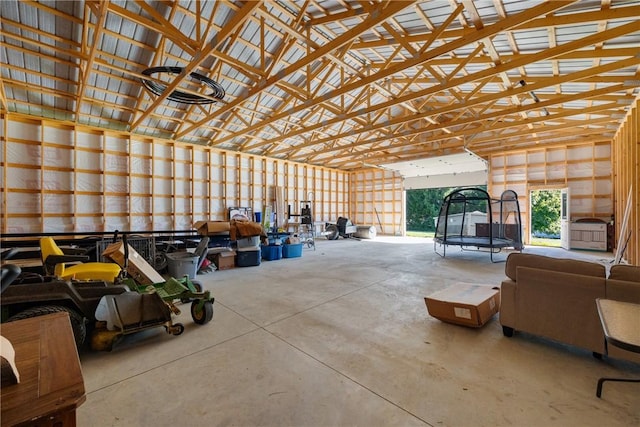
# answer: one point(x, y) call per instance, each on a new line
point(247, 242)
point(293, 250)
point(248, 257)
point(274, 241)
point(182, 264)
point(271, 252)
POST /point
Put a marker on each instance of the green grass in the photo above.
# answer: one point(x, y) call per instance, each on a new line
point(538, 241)
point(420, 233)
point(535, 241)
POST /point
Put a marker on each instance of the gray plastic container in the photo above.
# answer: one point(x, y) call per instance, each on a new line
point(182, 264)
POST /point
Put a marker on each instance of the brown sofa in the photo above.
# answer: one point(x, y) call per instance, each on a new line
point(555, 298)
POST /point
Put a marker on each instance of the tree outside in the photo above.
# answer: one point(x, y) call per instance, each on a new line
point(545, 213)
point(423, 205)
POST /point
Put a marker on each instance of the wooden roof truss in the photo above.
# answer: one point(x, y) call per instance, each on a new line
point(331, 82)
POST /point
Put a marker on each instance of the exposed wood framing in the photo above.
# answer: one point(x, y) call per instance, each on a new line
point(626, 161)
point(86, 179)
point(316, 92)
point(360, 83)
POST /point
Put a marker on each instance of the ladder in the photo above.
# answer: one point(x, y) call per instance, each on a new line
point(306, 230)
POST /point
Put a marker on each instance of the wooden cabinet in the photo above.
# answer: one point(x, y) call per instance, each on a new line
point(588, 235)
point(51, 385)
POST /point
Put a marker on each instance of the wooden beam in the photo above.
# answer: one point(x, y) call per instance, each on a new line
point(239, 18)
point(438, 51)
point(361, 83)
point(453, 82)
point(490, 97)
point(158, 24)
point(542, 22)
point(339, 16)
point(85, 71)
point(3, 101)
point(467, 132)
point(63, 52)
point(53, 11)
point(382, 13)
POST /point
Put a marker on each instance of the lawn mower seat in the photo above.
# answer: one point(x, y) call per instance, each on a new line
point(54, 262)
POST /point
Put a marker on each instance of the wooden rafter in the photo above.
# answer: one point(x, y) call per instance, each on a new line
point(86, 68)
point(543, 22)
point(440, 50)
point(332, 83)
point(382, 14)
point(200, 56)
point(477, 129)
point(515, 91)
point(3, 96)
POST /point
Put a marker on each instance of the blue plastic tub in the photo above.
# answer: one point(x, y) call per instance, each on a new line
point(293, 250)
point(271, 252)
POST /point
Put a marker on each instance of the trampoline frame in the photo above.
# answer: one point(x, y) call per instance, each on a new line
point(495, 244)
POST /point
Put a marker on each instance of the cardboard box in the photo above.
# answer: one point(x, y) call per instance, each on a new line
point(137, 267)
point(207, 228)
point(224, 260)
point(464, 304)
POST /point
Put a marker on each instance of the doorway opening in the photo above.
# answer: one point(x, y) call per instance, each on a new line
point(545, 219)
point(422, 207)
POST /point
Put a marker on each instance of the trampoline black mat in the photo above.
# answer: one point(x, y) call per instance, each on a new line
point(478, 242)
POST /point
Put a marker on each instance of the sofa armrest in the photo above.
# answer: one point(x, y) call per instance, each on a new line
point(622, 290)
point(560, 306)
point(508, 303)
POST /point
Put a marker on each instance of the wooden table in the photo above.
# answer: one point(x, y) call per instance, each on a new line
point(51, 385)
point(621, 326)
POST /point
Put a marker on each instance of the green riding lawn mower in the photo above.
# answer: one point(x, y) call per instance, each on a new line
point(103, 310)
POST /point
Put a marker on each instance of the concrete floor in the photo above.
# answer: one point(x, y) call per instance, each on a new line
point(342, 336)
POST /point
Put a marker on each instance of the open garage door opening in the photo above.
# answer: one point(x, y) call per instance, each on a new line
point(423, 208)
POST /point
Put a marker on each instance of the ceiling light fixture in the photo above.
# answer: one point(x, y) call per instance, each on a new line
point(180, 96)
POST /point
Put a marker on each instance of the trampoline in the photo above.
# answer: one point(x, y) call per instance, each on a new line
point(471, 219)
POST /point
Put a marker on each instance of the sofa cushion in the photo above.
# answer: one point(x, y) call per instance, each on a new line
point(560, 306)
point(623, 290)
point(629, 273)
point(563, 265)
